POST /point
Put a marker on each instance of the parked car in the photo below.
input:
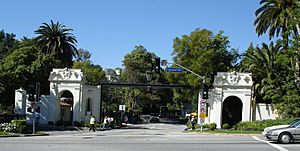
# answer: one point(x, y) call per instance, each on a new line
point(154, 118)
point(283, 133)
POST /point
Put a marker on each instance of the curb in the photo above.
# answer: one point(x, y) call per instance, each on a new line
point(23, 135)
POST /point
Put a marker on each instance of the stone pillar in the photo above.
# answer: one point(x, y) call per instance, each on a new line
point(20, 101)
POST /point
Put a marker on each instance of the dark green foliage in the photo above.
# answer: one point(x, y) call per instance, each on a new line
point(211, 126)
point(189, 125)
point(277, 16)
point(203, 53)
point(56, 39)
point(225, 126)
point(7, 43)
point(59, 123)
point(79, 124)
point(50, 123)
point(20, 126)
point(260, 125)
point(94, 73)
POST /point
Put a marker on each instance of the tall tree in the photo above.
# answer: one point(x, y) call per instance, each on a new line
point(261, 62)
point(24, 66)
point(277, 16)
point(7, 43)
point(205, 54)
point(94, 73)
point(56, 38)
point(137, 63)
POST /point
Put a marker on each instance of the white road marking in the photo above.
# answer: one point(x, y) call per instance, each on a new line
point(274, 145)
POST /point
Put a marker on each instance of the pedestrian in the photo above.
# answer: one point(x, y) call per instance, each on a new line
point(105, 123)
point(92, 123)
point(193, 122)
point(126, 120)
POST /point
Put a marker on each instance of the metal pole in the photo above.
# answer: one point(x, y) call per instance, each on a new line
point(33, 119)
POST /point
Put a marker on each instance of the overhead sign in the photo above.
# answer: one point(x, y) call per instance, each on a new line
point(174, 69)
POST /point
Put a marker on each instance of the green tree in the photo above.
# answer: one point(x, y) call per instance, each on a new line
point(261, 62)
point(277, 16)
point(7, 43)
point(83, 55)
point(137, 63)
point(205, 54)
point(94, 73)
point(56, 38)
point(24, 66)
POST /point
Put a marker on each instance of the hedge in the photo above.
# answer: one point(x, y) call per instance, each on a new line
point(260, 125)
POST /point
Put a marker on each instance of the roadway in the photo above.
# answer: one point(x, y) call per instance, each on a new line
point(145, 137)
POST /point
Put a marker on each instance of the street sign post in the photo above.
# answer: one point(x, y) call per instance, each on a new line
point(174, 69)
point(203, 103)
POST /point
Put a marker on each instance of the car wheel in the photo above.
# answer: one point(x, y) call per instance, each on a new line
point(285, 138)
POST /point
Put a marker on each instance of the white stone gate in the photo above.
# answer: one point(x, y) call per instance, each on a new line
point(70, 99)
point(231, 100)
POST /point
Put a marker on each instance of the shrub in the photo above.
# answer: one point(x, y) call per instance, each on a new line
point(20, 125)
point(50, 123)
point(15, 126)
point(59, 123)
point(67, 123)
point(189, 125)
point(260, 125)
point(225, 126)
point(79, 124)
point(212, 126)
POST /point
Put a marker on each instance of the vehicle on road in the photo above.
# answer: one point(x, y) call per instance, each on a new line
point(154, 118)
point(283, 133)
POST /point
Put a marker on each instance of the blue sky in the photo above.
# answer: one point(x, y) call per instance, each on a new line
point(110, 29)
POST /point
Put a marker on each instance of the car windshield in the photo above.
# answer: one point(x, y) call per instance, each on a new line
point(295, 123)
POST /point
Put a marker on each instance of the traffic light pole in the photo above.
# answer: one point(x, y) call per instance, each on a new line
point(205, 90)
point(201, 77)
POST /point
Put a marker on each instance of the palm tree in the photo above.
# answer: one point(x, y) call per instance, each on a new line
point(56, 38)
point(261, 62)
point(276, 16)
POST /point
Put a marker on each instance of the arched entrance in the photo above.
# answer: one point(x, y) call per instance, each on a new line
point(66, 106)
point(232, 110)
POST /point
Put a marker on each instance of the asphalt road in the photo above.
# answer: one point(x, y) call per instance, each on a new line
point(148, 137)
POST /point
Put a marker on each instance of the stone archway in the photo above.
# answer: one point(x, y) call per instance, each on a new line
point(232, 110)
point(66, 106)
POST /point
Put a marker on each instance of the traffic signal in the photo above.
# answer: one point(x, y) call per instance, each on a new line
point(31, 93)
point(205, 92)
point(157, 65)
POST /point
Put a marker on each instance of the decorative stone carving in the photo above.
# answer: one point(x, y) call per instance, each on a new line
point(66, 74)
point(233, 79)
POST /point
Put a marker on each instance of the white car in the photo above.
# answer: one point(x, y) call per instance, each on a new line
point(283, 133)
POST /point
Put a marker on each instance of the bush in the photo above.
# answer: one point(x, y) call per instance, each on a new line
point(189, 125)
point(67, 123)
point(15, 126)
point(212, 126)
point(260, 125)
point(20, 125)
point(225, 126)
point(59, 123)
point(79, 124)
point(50, 123)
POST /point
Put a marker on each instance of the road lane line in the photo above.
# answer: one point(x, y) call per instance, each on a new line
point(274, 145)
